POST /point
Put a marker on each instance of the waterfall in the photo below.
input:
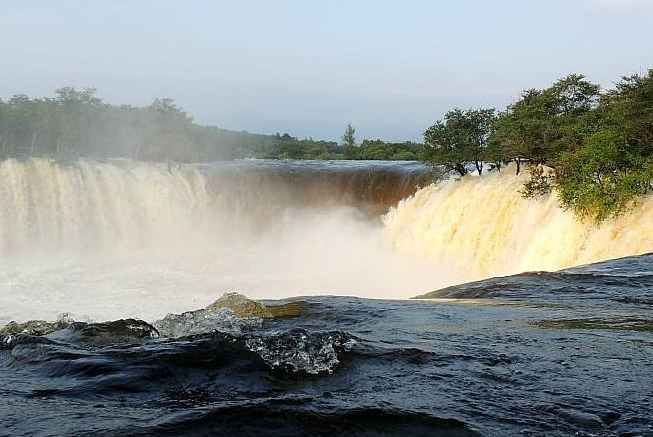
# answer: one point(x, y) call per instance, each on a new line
point(485, 226)
point(115, 239)
point(47, 207)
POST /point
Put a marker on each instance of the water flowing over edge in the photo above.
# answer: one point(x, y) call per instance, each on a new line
point(116, 239)
point(484, 225)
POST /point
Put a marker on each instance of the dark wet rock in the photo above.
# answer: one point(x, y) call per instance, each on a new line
point(290, 419)
point(632, 429)
point(630, 276)
point(7, 341)
point(609, 417)
point(123, 331)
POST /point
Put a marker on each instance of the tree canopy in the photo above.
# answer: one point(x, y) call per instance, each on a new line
point(77, 123)
point(543, 123)
point(460, 139)
point(598, 146)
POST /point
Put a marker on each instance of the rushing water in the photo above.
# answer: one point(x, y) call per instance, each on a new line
point(118, 245)
point(547, 354)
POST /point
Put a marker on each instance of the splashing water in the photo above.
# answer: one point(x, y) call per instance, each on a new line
point(109, 240)
point(119, 239)
point(485, 226)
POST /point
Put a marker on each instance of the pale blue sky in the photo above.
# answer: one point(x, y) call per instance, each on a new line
point(309, 67)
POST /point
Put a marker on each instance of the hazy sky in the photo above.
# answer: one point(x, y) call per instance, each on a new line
point(309, 67)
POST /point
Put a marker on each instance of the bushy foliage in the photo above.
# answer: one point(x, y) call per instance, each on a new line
point(380, 150)
point(77, 123)
point(539, 183)
point(597, 147)
point(543, 123)
point(604, 177)
point(613, 165)
point(460, 139)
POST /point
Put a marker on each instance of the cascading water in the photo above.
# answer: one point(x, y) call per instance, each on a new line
point(550, 354)
point(86, 207)
point(123, 239)
point(485, 226)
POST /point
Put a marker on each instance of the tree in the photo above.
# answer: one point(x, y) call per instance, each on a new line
point(79, 119)
point(630, 108)
point(460, 139)
point(604, 177)
point(168, 137)
point(77, 123)
point(349, 142)
point(573, 95)
point(45, 122)
point(495, 154)
point(525, 128)
point(543, 123)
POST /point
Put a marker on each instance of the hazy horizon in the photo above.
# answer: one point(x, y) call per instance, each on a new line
point(390, 69)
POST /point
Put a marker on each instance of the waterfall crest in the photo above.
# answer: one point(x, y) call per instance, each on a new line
point(484, 225)
point(49, 207)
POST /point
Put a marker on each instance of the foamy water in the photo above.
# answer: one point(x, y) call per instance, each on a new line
point(123, 239)
point(485, 226)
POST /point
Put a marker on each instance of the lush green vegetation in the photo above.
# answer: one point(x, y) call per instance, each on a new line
point(597, 146)
point(460, 139)
point(594, 147)
point(76, 123)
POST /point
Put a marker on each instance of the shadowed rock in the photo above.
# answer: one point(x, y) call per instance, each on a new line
point(123, 331)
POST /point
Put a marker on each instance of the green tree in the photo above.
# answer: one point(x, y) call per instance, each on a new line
point(604, 177)
point(460, 139)
point(169, 132)
point(79, 119)
point(630, 108)
point(543, 123)
point(495, 155)
point(77, 123)
point(349, 142)
point(524, 129)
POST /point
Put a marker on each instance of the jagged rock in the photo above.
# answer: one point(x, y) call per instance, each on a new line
point(123, 331)
point(240, 305)
point(581, 418)
point(37, 327)
point(243, 307)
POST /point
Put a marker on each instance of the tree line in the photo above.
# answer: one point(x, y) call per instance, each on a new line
point(76, 123)
point(593, 146)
